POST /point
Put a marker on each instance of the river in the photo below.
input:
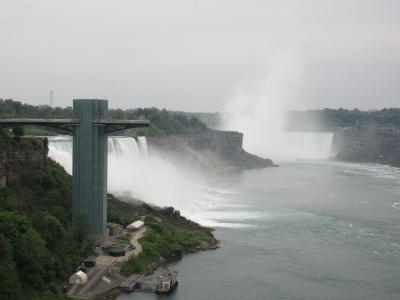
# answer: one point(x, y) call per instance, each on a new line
point(310, 229)
point(306, 230)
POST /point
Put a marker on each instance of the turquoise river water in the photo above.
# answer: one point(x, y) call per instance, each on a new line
point(305, 230)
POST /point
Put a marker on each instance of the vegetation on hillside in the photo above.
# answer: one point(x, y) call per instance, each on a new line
point(168, 234)
point(334, 118)
point(165, 122)
point(166, 237)
point(325, 119)
point(162, 121)
point(211, 119)
point(39, 247)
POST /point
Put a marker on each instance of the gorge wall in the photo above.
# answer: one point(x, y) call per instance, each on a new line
point(17, 154)
point(214, 150)
point(368, 144)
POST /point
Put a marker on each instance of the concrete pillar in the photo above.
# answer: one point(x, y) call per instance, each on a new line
point(90, 165)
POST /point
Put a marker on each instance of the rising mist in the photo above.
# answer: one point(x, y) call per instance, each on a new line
point(258, 108)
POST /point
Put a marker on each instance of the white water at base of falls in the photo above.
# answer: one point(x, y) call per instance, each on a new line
point(151, 178)
point(132, 171)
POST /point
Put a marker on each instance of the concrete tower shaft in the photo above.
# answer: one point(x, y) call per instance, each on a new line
point(90, 164)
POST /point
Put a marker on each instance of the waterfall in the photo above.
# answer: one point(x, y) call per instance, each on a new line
point(60, 149)
point(131, 171)
point(120, 146)
point(291, 145)
point(309, 145)
point(143, 146)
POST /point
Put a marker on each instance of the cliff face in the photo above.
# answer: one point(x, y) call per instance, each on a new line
point(368, 144)
point(18, 154)
point(214, 150)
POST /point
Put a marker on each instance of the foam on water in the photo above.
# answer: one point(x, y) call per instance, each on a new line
point(396, 205)
point(374, 170)
point(133, 171)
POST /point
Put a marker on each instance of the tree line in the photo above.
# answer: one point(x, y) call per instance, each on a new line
point(332, 118)
point(163, 122)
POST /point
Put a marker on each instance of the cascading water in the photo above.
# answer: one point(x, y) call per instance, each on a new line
point(292, 145)
point(132, 171)
point(309, 144)
point(60, 149)
point(152, 178)
point(143, 145)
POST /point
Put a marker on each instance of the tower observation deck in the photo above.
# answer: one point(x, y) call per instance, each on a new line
point(89, 128)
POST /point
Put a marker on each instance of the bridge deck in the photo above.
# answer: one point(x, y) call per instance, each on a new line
point(68, 124)
point(39, 121)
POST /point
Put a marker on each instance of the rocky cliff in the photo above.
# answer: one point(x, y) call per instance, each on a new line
point(16, 154)
point(368, 144)
point(214, 150)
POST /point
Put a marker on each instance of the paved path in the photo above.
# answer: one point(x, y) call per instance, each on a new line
point(103, 265)
point(135, 242)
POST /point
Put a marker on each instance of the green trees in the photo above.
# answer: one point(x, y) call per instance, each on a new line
point(32, 259)
point(24, 250)
point(39, 247)
point(166, 237)
point(331, 118)
point(10, 285)
point(18, 131)
point(4, 141)
point(163, 122)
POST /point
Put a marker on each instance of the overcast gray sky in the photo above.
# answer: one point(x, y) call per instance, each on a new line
point(192, 55)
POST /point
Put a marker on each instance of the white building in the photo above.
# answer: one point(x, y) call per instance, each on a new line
point(78, 278)
point(135, 225)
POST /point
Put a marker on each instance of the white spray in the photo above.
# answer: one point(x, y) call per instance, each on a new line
point(152, 178)
point(258, 110)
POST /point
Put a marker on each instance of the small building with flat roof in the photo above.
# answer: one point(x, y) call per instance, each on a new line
point(135, 225)
point(78, 278)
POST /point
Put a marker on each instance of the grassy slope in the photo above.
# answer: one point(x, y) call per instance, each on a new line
point(166, 239)
point(168, 234)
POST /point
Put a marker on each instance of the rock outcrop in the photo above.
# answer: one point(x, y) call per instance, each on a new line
point(214, 150)
point(368, 144)
point(19, 154)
